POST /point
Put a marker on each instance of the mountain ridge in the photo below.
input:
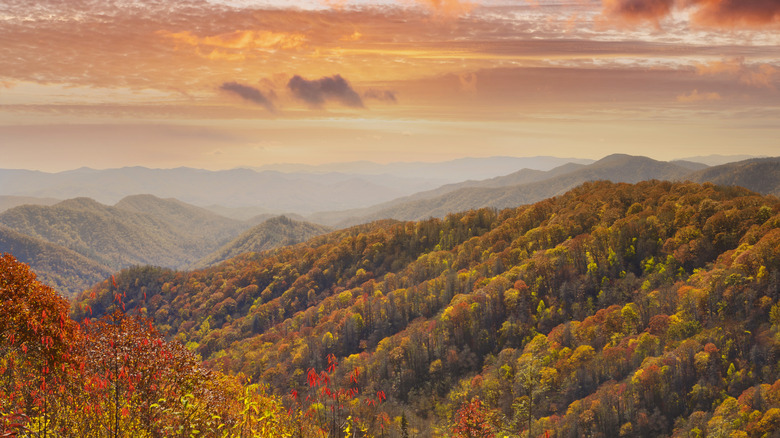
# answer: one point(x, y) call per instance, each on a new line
point(272, 233)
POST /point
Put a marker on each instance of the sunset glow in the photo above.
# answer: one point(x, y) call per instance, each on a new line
point(221, 84)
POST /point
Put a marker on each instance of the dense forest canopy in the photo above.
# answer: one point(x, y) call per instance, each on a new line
point(646, 309)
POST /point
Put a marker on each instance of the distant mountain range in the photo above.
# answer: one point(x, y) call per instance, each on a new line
point(265, 191)
point(528, 186)
point(447, 171)
point(717, 160)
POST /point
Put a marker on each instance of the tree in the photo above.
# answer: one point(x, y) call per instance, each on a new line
point(473, 420)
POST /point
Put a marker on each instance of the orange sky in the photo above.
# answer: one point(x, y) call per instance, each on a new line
point(220, 84)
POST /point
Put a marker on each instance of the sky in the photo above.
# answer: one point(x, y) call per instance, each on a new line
point(219, 84)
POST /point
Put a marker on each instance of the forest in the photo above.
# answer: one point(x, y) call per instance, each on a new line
point(648, 309)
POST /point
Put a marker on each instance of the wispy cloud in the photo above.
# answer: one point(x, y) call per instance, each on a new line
point(755, 75)
point(448, 7)
point(709, 13)
point(240, 39)
point(381, 95)
point(249, 93)
point(695, 96)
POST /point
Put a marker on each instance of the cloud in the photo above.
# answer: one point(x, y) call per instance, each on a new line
point(248, 93)
point(754, 75)
point(448, 7)
point(638, 10)
point(316, 92)
point(708, 13)
point(468, 82)
point(241, 39)
point(355, 36)
point(736, 13)
point(695, 96)
point(382, 95)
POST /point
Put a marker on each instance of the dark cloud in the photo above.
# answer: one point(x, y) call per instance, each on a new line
point(636, 10)
point(317, 92)
point(383, 95)
point(712, 13)
point(249, 93)
point(734, 13)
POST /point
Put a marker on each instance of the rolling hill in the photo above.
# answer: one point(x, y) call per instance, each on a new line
point(271, 233)
point(7, 201)
point(762, 175)
point(196, 222)
point(63, 269)
point(139, 230)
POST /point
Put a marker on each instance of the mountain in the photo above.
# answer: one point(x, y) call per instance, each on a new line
point(613, 309)
point(241, 213)
point(272, 233)
point(690, 165)
point(65, 270)
point(296, 189)
point(519, 188)
point(7, 202)
point(717, 160)
point(762, 175)
point(139, 230)
point(446, 171)
point(193, 221)
point(274, 191)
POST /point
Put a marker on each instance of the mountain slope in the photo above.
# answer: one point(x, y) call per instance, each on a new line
point(647, 309)
point(270, 234)
point(7, 202)
point(761, 175)
point(495, 194)
point(112, 236)
point(65, 270)
point(187, 219)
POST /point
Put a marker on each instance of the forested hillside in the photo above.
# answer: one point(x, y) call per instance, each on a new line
point(271, 233)
point(7, 201)
point(139, 230)
point(66, 271)
point(186, 219)
point(612, 310)
point(759, 174)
